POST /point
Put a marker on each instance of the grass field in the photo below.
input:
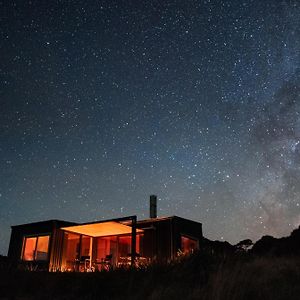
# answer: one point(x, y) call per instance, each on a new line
point(200, 276)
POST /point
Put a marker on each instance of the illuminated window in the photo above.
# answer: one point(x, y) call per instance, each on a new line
point(36, 248)
point(124, 246)
point(188, 245)
point(42, 248)
point(85, 246)
point(29, 248)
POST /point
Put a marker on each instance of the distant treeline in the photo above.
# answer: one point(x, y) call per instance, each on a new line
point(267, 245)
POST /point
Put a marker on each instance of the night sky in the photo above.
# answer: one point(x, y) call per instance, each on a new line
point(105, 102)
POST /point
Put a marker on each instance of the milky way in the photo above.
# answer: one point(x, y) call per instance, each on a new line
point(106, 102)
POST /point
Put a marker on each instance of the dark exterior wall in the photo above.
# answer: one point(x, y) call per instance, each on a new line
point(162, 237)
point(148, 244)
point(56, 250)
point(187, 228)
point(157, 239)
point(20, 231)
point(33, 229)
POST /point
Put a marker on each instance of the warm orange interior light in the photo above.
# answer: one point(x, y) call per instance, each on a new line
point(42, 247)
point(36, 248)
point(29, 249)
point(101, 229)
point(188, 245)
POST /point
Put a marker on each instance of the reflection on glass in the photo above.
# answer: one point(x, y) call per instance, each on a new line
point(188, 245)
point(42, 248)
point(29, 249)
point(36, 248)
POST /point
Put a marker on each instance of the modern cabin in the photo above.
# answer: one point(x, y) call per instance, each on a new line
point(56, 245)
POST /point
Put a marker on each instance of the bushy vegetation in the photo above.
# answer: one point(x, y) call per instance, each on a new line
point(200, 276)
point(218, 271)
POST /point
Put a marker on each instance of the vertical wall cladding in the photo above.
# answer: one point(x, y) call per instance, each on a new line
point(56, 249)
point(164, 238)
point(148, 242)
point(15, 244)
point(157, 241)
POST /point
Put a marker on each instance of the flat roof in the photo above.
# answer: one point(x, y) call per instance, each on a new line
point(45, 222)
point(158, 219)
point(101, 229)
point(88, 229)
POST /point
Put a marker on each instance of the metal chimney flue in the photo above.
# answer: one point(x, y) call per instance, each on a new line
point(153, 206)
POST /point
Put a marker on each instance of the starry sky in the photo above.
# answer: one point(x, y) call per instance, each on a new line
point(105, 102)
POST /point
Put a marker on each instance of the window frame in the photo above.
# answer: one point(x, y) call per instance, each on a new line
point(37, 236)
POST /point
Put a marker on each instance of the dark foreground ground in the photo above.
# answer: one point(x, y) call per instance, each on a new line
point(200, 276)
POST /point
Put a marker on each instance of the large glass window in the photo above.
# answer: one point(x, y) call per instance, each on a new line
point(71, 251)
point(85, 246)
point(36, 248)
point(115, 250)
point(42, 248)
point(29, 248)
point(124, 246)
point(106, 249)
point(188, 245)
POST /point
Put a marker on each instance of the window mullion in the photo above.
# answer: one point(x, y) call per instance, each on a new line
point(35, 249)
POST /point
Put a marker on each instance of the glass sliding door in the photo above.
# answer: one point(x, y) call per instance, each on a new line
point(71, 252)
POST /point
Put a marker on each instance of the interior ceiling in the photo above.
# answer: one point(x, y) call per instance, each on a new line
point(101, 229)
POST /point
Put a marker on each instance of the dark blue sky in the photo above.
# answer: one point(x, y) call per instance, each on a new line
point(105, 102)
